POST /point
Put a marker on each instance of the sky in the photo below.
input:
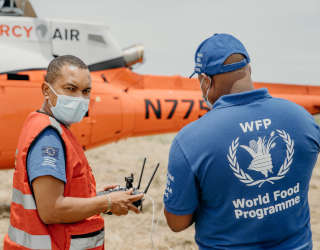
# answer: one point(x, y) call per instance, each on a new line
point(281, 36)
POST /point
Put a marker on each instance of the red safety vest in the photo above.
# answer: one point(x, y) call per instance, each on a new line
point(26, 230)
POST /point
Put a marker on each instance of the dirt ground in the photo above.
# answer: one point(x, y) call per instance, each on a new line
point(111, 163)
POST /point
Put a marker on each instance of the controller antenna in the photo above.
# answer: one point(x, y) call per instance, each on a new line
point(154, 172)
point(141, 173)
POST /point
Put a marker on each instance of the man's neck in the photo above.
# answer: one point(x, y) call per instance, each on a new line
point(242, 86)
point(45, 109)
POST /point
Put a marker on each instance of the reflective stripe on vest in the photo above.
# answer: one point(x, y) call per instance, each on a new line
point(28, 240)
point(87, 242)
point(26, 200)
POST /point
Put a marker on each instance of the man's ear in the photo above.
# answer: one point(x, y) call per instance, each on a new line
point(45, 90)
point(207, 80)
point(213, 90)
point(211, 80)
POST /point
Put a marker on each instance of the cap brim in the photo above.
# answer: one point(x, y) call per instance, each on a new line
point(193, 73)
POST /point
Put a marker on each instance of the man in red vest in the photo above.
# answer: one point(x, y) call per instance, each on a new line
point(54, 203)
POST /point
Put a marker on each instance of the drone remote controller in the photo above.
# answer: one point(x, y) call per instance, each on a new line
point(129, 185)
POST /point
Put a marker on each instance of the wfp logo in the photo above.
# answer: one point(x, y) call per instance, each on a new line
point(260, 151)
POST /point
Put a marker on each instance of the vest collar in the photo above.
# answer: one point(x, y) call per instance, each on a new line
point(52, 117)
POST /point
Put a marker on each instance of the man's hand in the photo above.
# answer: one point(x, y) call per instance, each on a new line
point(122, 202)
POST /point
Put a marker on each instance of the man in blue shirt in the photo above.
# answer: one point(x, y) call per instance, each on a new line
point(241, 173)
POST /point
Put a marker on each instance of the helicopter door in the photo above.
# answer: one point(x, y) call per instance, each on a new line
point(82, 130)
point(18, 97)
point(106, 114)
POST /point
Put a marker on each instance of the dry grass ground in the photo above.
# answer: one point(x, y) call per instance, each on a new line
point(111, 163)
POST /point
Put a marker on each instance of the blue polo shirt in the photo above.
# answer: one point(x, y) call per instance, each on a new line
point(244, 169)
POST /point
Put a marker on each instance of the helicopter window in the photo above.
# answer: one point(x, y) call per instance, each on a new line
point(18, 77)
point(7, 3)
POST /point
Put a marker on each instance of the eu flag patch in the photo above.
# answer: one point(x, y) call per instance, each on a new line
point(50, 152)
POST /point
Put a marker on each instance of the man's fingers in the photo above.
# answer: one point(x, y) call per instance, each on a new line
point(129, 191)
point(136, 197)
point(121, 209)
point(106, 188)
point(133, 208)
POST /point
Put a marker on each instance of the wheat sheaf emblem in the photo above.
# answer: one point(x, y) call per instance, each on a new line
point(261, 158)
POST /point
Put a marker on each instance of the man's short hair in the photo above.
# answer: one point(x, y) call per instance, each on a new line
point(55, 66)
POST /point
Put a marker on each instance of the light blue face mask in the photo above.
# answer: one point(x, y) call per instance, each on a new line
point(69, 109)
point(205, 98)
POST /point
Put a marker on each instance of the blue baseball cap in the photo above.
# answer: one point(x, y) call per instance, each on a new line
point(214, 51)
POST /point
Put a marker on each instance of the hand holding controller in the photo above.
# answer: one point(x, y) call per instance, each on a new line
point(123, 201)
point(127, 198)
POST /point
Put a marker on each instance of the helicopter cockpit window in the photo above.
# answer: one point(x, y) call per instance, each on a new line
point(7, 3)
point(10, 8)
